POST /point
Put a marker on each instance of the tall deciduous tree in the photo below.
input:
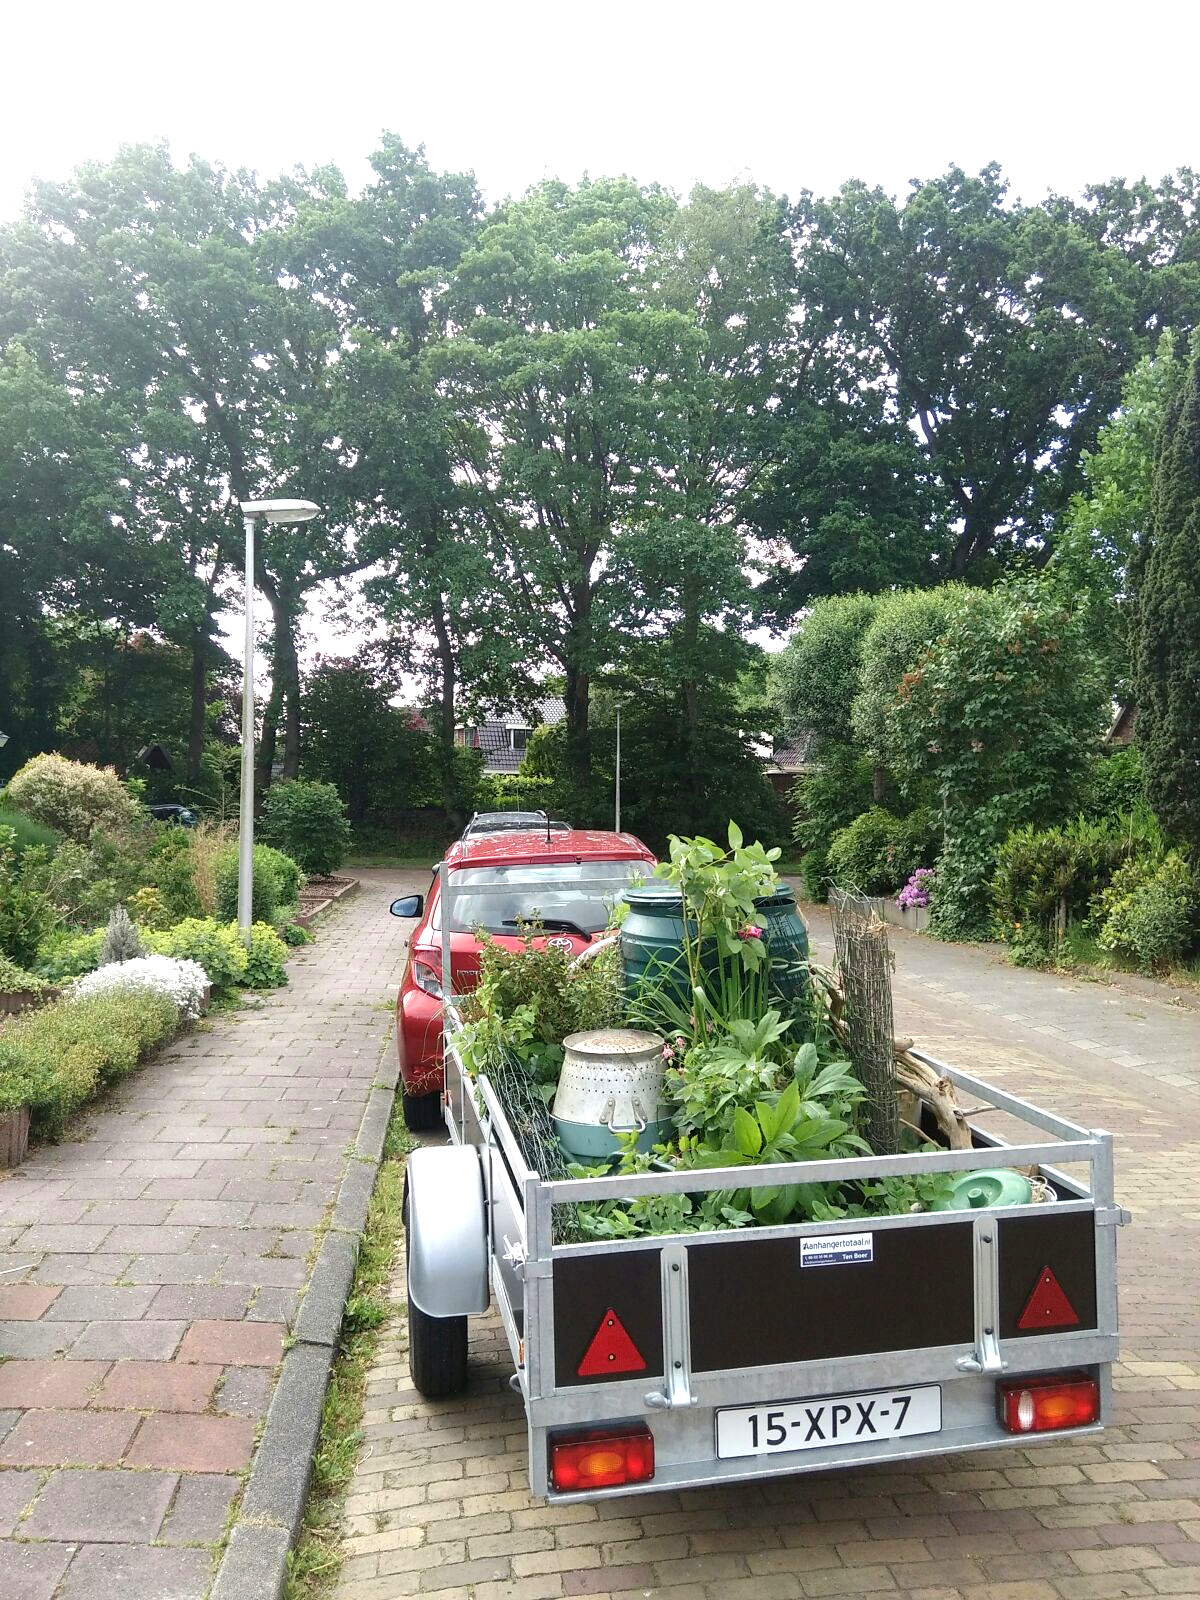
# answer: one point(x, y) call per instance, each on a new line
point(567, 366)
point(998, 331)
point(1168, 622)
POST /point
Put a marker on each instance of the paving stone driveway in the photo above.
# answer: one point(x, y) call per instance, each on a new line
point(440, 1505)
point(151, 1265)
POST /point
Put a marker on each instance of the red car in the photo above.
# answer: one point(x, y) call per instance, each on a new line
point(570, 916)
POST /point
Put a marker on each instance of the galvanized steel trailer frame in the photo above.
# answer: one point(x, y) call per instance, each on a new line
point(522, 1260)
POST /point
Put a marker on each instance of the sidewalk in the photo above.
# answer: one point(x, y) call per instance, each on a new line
point(152, 1266)
point(440, 1506)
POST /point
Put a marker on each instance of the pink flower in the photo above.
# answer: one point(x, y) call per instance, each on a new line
point(750, 932)
point(667, 1052)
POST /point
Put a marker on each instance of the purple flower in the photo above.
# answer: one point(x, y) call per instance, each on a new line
point(750, 932)
point(918, 890)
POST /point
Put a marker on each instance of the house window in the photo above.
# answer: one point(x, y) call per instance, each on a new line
point(517, 738)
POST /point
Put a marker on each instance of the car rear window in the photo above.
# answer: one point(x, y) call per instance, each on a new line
point(580, 892)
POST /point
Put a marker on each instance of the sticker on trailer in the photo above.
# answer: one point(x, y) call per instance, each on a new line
point(838, 1250)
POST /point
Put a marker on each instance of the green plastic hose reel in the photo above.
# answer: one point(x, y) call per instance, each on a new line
point(974, 1191)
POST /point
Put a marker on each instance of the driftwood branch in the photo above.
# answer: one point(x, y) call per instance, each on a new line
point(914, 1078)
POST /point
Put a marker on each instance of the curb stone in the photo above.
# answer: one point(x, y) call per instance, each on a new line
point(255, 1560)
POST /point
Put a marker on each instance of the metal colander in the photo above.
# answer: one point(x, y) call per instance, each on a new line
point(611, 1083)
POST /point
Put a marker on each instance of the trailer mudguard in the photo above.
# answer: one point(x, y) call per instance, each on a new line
point(446, 1216)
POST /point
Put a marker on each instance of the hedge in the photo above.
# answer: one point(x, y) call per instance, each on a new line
point(55, 1059)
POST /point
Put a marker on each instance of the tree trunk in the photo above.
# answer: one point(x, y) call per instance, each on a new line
point(451, 797)
point(199, 708)
point(578, 704)
point(878, 784)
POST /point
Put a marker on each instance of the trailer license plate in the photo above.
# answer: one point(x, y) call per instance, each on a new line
point(818, 1424)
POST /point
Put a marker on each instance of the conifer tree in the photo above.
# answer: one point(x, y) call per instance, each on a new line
point(1168, 641)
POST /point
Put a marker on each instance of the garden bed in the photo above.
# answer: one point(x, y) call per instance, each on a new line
point(318, 894)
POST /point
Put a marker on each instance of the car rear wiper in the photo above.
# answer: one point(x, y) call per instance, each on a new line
point(559, 925)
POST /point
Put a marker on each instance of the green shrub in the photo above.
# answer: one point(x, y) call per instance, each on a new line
point(15, 980)
point(265, 958)
point(1048, 879)
point(1152, 912)
point(959, 907)
point(294, 933)
point(216, 946)
point(1115, 783)
point(308, 821)
point(54, 1059)
point(121, 942)
point(71, 796)
point(26, 831)
point(878, 852)
point(273, 873)
point(66, 954)
point(27, 913)
point(171, 871)
point(149, 909)
point(814, 869)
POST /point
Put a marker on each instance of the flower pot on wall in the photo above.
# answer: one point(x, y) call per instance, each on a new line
point(14, 1136)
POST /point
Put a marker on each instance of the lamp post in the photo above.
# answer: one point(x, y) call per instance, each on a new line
point(617, 787)
point(271, 512)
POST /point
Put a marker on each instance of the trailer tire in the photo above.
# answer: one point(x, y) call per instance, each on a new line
point(422, 1112)
point(437, 1351)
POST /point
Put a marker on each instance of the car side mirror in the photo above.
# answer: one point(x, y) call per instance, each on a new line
point(412, 905)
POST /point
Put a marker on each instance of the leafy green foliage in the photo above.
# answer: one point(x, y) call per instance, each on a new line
point(265, 958)
point(276, 882)
point(1151, 912)
point(217, 947)
point(1168, 623)
point(15, 980)
point(71, 797)
point(69, 955)
point(820, 671)
point(54, 1059)
point(903, 627)
point(879, 852)
point(26, 831)
point(1047, 878)
point(307, 820)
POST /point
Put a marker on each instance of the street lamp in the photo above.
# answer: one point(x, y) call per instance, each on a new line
point(271, 512)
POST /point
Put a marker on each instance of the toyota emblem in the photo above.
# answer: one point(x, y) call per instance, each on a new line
point(559, 944)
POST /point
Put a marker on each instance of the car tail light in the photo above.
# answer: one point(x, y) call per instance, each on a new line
point(1053, 1400)
point(601, 1458)
point(427, 975)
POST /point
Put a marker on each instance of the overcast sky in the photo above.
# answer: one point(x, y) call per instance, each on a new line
point(794, 95)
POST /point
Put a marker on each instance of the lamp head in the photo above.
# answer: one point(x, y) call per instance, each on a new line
point(280, 510)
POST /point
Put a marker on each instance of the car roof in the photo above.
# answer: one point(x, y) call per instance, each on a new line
point(532, 847)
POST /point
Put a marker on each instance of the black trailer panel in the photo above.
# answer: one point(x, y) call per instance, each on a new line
point(754, 1305)
point(586, 1289)
point(1031, 1243)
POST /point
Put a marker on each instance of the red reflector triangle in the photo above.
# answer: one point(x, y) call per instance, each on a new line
point(611, 1350)
point(1047, 1306)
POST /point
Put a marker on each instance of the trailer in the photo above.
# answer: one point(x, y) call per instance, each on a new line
point(674, 1361)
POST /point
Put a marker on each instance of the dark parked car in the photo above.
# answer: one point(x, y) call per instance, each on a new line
point(184, 816)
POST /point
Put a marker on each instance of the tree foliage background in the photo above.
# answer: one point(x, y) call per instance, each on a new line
point(596, 433)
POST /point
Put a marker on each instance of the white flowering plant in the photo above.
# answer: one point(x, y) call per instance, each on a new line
point(181, 981)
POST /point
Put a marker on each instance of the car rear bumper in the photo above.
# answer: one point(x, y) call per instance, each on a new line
point(419, 1041)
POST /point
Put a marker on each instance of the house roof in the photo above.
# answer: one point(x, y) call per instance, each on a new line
point(799, 752)
point(492, 735)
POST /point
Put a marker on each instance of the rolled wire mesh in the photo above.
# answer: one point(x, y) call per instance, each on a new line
point(865, 964)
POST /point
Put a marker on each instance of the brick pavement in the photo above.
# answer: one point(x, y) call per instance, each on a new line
point(440, 1505)
point(152, 1263)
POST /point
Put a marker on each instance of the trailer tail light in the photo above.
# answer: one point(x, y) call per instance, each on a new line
point(1053, 1400)
point(601, 1458)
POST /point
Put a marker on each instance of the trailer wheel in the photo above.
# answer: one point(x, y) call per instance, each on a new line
point(437, 1351)
point(422, 1112)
